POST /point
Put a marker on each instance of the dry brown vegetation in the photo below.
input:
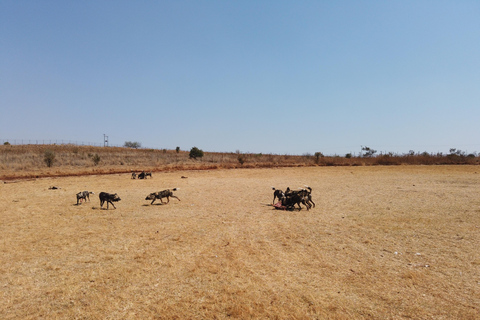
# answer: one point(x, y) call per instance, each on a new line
point(396, 242)
point(27, 161)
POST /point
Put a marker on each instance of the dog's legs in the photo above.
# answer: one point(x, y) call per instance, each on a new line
point(175, 197)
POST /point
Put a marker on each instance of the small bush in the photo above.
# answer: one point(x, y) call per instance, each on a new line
point(195, 153)
point(49, 158)
point(132, 144)
point(241, 159)
point(96, 159)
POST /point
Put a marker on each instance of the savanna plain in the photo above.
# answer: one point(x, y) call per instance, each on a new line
point(393, 242)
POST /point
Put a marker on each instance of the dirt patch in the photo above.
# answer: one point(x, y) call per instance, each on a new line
point(382, 242)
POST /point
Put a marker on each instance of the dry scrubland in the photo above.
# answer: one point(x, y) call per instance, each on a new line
point(382, 243)
point(27, 161)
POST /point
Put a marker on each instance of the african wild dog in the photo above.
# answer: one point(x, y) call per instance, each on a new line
point(134, 175)
point(144, 175)
point(84, 195)
point(162, 194)
point(109, 198)
point(277, 193)
point(295, 197)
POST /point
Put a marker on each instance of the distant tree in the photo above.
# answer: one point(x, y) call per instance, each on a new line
point(132, 144)
point(177, 149)
point(369, 152)
point(348, 155)
point(49, 158)
point(195, 153)
point(455, 152)
point(6, 143)
point(318, 155)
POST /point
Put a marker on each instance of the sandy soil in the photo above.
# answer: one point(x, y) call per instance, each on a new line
point(382, 242)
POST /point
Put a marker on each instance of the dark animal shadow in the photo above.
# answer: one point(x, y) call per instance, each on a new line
point(155, 204)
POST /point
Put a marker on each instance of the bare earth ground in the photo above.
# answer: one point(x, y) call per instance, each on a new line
point(382, 243)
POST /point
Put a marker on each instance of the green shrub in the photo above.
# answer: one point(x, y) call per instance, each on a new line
point(49, 158)
point(318, 155)
point(132, 144)
point(195, 153)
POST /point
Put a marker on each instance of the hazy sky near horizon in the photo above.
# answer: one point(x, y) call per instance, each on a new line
point(273, 76)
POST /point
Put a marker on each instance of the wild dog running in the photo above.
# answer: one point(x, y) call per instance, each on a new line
point(162, 194)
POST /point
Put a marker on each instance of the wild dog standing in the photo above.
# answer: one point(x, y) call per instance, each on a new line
point(144, 175)
point(134, 175)
point(162, 194)
point(293, 197)
point(109, 198)
point(309, 197)
point(277, 193)
point(84, 195)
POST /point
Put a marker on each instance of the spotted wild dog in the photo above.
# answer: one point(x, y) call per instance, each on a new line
point(162, 194)
point(295, 197)
point(84, 195)
point(109, 198)
point(134, 175)
point(144, 175)
point(277, 193)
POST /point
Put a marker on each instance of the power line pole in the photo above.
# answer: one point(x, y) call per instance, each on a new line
point(105, 140)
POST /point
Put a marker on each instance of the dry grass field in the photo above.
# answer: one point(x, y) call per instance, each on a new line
point(396, 242)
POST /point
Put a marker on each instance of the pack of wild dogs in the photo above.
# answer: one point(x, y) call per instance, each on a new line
point(110, 198)
point(141, 175)
point(287, 200)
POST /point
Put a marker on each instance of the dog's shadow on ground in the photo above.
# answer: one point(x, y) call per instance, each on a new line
point(154, 204)
point(78, 204)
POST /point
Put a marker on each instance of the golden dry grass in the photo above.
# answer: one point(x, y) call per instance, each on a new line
point(382, 243)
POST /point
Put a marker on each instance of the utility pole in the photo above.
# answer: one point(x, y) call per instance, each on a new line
point(105, 140)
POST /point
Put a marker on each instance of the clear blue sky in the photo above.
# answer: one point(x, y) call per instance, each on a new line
point(284, 77)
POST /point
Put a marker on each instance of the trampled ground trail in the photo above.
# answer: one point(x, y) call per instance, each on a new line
point(382, 242)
